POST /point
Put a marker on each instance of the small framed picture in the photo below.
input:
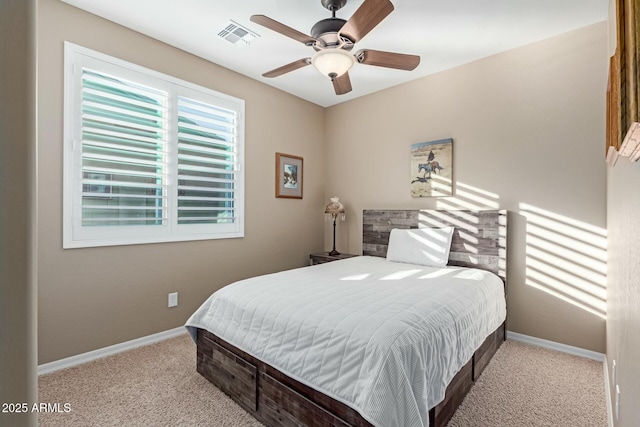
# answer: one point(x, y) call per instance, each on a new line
point(288, 176)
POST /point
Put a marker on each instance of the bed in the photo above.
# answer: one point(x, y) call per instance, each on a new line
point(369, 340)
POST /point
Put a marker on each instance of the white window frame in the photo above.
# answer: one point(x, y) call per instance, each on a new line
point(75, 235)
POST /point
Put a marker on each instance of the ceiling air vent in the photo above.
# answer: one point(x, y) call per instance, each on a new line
point(234, 33)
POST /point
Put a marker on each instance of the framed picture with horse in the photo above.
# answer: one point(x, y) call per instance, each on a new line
point(432, 168)
point(289, 176)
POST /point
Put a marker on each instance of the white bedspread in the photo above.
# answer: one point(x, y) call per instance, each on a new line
point(384, 338)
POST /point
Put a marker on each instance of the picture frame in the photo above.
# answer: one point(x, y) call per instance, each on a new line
point(289, 176)
point(432, 168)
point(623, 89)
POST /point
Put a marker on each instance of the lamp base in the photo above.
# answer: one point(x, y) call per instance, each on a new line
point(334, 252)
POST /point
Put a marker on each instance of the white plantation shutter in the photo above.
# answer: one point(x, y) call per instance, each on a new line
point(207, 163)
point(124, 152)
point(148, 158)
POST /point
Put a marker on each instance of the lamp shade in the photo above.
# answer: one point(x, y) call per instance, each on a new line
point(333, 62)
point(334, 207)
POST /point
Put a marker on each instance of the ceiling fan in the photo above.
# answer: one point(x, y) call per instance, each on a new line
point(334, 38)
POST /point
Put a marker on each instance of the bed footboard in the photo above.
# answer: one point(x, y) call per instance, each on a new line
point(277, 400)
point(464, 379)
point(266, 393)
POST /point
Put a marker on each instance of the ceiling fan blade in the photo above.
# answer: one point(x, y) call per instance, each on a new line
point(368, 15)
point(287, 68)
point(278, 27)
point(342, 84)
point(379, 58)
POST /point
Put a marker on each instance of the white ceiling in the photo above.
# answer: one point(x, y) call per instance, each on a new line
point(445, 33)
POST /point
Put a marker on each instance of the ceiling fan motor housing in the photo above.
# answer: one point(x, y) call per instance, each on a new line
point(326, 31)
point(333, 5)
point(327, 26)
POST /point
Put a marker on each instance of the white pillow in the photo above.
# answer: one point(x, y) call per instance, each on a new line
point(422, 246)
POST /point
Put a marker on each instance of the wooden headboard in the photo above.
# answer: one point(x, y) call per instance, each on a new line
point(479, 238)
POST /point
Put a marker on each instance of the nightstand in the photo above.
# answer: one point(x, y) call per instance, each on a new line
point(322, 257)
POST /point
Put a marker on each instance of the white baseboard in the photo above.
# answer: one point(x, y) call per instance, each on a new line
point(607, 392)
point(69, 362)
point(552, 345)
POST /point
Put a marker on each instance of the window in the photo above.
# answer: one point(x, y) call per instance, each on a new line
point(148, 157)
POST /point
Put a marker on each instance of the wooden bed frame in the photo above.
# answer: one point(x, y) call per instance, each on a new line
point(275, 399)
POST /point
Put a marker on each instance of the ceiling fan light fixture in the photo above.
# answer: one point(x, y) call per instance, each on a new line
point(333, 62)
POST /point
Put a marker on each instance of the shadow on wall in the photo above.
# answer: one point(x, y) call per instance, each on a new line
point(469, 197)
point(564, 257)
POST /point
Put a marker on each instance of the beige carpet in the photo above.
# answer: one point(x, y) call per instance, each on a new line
point(158, 385)
point(532, 386)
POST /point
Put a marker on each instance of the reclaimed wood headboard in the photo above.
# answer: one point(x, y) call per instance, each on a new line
point(479, 238)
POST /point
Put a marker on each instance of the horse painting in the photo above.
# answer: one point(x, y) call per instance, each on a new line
point(427, 170)
point(435, 166)
point(433, 161)
point(426, 167)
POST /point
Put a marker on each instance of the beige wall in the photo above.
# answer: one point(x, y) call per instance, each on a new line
point(534, 115)
point(528, 130)
point(18, 239)
point(95, 297)
point(623, 292)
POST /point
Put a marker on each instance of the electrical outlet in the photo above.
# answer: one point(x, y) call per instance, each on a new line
point(617, 402)
point(173, 299)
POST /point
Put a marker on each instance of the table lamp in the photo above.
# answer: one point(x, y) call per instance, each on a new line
point(333, 209)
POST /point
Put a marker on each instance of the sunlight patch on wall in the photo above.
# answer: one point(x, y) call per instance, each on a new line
point(441, 184)
point(566, 258)
point(469, 197)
